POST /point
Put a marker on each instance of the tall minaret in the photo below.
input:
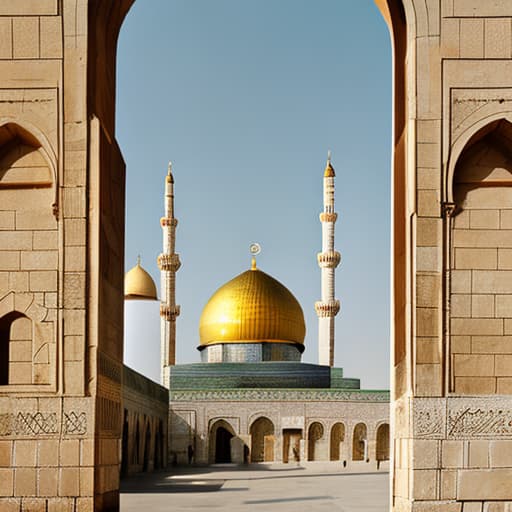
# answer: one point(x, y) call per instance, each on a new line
point(328, 260)
point(169, 263)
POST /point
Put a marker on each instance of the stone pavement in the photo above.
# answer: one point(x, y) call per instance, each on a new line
point(273, 488)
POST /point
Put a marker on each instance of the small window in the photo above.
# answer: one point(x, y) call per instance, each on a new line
point(11, 343)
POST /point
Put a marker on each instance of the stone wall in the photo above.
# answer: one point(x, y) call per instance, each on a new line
point(145, 416)
point(61, 254)
point(452, 279)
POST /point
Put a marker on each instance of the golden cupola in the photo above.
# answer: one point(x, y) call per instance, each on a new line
point(139, 285)
point(252, 308)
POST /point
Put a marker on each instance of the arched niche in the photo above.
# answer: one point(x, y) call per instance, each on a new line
point(382, 438)
point(336, 440)
point(360, 442)
point(315, 436)
point(262, 440)
point(480, 260)
point(15, 349)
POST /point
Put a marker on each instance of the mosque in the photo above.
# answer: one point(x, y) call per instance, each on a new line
point(250, 398)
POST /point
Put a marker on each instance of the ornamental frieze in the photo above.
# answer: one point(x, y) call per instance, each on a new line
point(488, 417)
point(463, 418)
point(42, 424)
point(277, 394)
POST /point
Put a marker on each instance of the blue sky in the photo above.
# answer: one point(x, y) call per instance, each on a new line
point(246, 98)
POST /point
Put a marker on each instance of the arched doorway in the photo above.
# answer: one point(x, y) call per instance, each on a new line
point(360, 443)
point(158, 452)
point(315, 435)
point(223, 445)
point(337, 438)
point(136, 443)
point(383, 442)
point(147, 445)
point(221, 434)
point(124, 446)
point(262, 440)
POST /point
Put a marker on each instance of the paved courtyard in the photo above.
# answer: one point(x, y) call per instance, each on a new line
point(276, 488)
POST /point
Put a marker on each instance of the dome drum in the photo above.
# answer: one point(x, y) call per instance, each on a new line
point(251, 352)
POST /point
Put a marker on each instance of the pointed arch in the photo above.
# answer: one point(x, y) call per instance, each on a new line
point(359, 442)
point(221, 433)
point(478, 128)
point(23, 144)
point(13, 370)
point(337, 438)
point(315, 435)
point(382, 442)
point(262, 440)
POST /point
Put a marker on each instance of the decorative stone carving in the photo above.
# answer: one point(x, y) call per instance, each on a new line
point(429, 418)
point(28, 423)
point(477, 418)
point(277, 394)
point(75, 423)
point(468, 103)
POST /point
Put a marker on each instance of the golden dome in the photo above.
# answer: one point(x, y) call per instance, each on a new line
point(252, 308)
point(139, 285)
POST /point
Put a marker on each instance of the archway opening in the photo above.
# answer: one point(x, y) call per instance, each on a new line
point(124, 445)
point(15, 349)
point(315, 436)
point(360, 443)
point(262, 440)
point(337, 439)
point(147, 447)
point(136, 444)
point(223, 445)
point(383, 442)
point(221, 434)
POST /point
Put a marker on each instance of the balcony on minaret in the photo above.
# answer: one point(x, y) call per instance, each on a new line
point(327, 309)
point(330, 259)
point(166, 222)
point(328, 217)
point(169, 262)
point(168, 312)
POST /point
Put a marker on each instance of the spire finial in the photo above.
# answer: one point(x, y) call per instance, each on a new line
point(138, 260)
point(254, 249)
point(170, 177)
point(329, 170)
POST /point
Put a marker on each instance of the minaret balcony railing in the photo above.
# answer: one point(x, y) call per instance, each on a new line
point(328, 217)
point(329, 259)
point(169, 262)
point(169, 312)
point(327, 309)
point(167, 222)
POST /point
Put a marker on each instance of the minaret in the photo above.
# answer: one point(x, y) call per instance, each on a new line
point(169, 263)
point(328, 260)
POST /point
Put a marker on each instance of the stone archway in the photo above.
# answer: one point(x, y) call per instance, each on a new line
point(262, 440)
point(382, 444)
point(336, 441)
point(315, 437)
point(221, 434)
point(360, 443)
